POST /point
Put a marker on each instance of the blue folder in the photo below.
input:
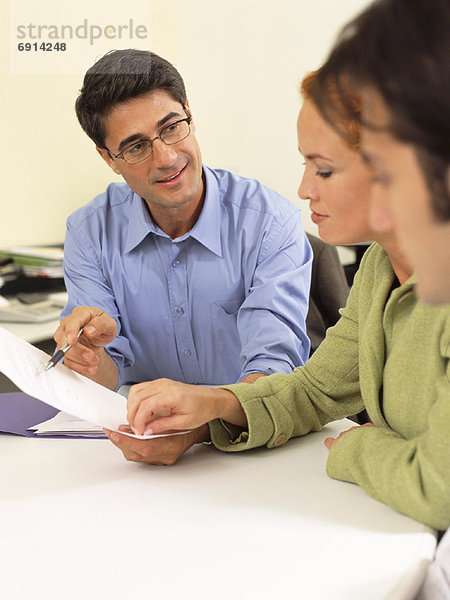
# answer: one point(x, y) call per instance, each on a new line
point(18, 411)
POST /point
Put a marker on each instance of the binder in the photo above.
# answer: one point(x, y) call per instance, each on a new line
point(18, 411)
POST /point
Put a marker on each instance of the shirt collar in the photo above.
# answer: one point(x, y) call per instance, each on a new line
point(140, 223)
point(206, 230)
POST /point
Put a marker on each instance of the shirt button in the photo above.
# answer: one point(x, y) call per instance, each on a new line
point(175, 263)
point(187, 352)
point(180, 311)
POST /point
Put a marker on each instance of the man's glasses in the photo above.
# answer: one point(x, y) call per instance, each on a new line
point(169, 135)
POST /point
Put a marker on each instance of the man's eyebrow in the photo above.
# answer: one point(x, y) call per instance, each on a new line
point(169, 116)
point(141, 136)
point(130, 139)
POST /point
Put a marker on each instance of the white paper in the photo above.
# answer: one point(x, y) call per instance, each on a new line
point(64, 424)
point(60, 386)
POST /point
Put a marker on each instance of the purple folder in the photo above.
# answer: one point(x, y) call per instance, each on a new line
point(18, 411)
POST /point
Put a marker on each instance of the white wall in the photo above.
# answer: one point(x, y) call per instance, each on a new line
point(241, 60)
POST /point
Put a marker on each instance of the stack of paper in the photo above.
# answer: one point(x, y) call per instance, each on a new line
point(67, 425)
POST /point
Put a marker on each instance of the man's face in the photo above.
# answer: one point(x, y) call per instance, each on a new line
point(401, 202)
point(171, 177)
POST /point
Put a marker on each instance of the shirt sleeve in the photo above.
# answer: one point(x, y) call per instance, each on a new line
point(272, 318)
point(411, 475)
point(87, 285)
point(283, 406)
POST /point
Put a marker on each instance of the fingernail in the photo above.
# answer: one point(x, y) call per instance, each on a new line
point(114, 437)
point(89, 330)
point(148, 431)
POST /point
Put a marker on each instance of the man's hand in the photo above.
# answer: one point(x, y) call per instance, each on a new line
point(159, 451)
point(87, 355)
point(163, 405)
point(330, 442)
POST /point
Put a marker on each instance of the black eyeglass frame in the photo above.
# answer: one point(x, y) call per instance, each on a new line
point(187, 119)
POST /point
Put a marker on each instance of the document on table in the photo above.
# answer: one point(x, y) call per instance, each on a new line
point(60, 386)
point(67, 425)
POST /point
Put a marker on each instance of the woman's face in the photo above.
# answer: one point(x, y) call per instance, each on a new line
point(336, 181)
point(401, 202)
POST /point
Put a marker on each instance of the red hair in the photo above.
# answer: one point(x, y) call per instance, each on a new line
point(346, 118)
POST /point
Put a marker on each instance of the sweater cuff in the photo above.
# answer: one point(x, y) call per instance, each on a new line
point(231, 438)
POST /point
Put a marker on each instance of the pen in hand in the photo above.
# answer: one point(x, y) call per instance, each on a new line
point(60, 353)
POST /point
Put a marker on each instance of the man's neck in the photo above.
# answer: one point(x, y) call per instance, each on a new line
point(176, 222)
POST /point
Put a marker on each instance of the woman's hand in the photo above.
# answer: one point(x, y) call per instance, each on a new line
point(163, 405)
point(330, 442)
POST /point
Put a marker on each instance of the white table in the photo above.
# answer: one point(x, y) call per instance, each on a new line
point(78, 522)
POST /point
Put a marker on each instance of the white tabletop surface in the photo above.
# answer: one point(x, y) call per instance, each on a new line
point(79, 522)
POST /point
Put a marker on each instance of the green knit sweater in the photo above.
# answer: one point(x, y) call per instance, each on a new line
point(390, 354)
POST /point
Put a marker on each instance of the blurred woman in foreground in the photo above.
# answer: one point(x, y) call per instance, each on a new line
point(396, 54)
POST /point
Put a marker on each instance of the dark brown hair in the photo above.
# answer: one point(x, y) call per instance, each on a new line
point(118, 76)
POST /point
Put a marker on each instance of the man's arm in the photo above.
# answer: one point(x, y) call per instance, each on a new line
point(88, 285)
point(272, 318)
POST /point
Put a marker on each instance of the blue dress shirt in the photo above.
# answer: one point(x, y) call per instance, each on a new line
point(226, 299)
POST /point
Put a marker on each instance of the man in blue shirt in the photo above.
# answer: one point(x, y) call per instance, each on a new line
point(203, 275)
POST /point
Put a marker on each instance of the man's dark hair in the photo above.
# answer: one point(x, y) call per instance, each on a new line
point(401, 48)
point(119, 76)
